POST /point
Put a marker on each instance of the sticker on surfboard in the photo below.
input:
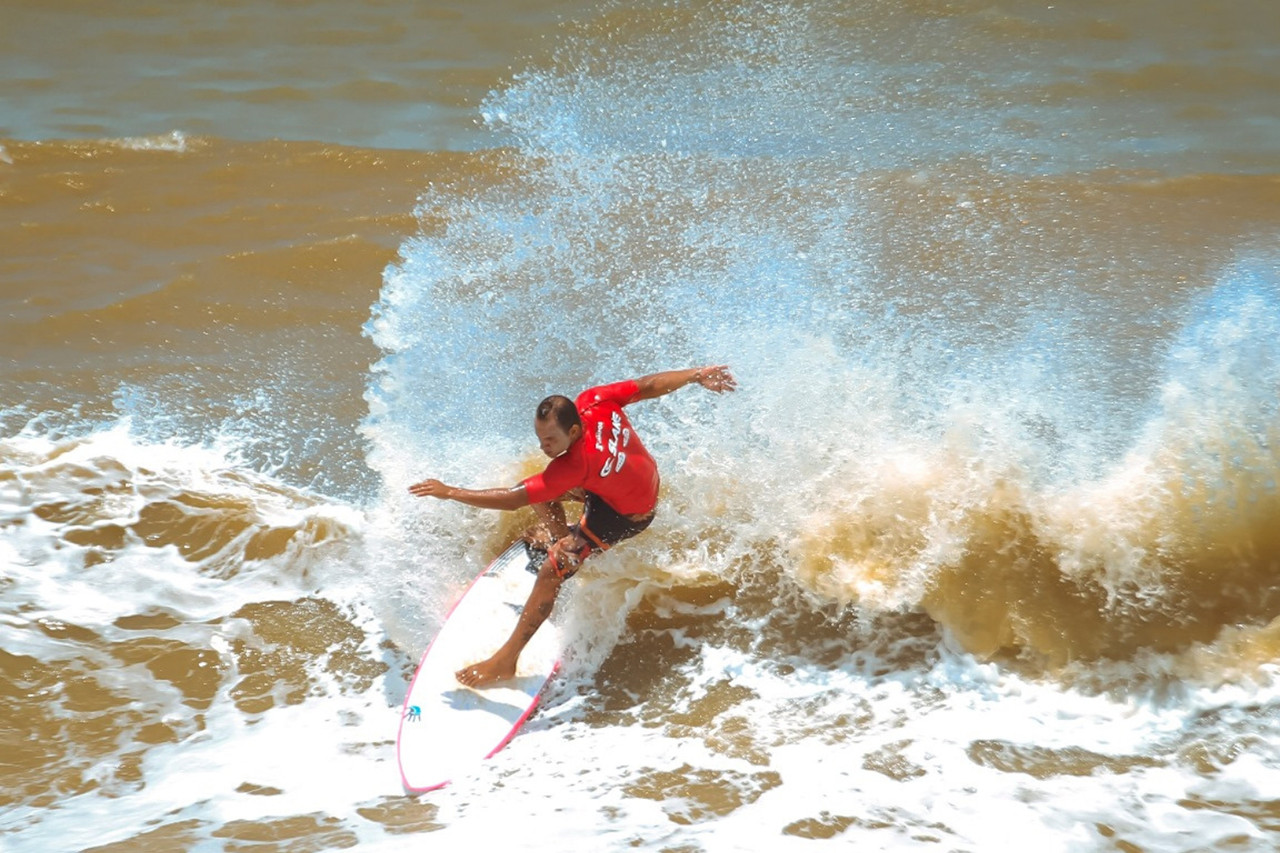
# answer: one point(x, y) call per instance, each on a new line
point(446, 728)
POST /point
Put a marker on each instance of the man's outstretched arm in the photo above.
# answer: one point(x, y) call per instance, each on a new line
point(512, 498)
point(714, 378)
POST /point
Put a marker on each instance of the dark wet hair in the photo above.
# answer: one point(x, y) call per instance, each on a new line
point(562, 409)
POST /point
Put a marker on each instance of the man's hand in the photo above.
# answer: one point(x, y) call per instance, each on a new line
point(538, 536)
point(716, 378)
point(430, 489)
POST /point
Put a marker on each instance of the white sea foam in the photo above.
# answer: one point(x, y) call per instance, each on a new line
point(858, 749)
point(174, 141)
point(929, 414)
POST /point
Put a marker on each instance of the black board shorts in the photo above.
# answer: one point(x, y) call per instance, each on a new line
point(601, 526)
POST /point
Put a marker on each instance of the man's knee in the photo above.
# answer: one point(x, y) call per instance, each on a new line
point(566, 555)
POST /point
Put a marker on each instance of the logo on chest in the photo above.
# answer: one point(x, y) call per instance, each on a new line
point(619, 438)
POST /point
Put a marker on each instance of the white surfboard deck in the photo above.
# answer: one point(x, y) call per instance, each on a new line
point(446, 729)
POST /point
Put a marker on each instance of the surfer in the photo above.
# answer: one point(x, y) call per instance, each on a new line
point(596, 458)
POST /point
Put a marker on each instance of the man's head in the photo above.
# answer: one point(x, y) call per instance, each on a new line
point(557, 424)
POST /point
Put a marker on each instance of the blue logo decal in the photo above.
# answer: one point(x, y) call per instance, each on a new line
point(414, 713)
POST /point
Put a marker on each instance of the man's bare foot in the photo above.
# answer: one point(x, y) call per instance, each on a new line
point(486, 672)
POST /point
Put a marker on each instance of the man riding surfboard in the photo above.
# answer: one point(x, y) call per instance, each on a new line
point(597, 458)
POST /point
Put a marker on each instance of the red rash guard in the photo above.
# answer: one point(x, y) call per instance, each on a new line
point(607, 460)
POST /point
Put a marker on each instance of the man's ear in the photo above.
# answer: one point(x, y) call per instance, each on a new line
point(575, 433)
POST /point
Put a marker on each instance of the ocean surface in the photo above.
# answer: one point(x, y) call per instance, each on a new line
point(984, 555)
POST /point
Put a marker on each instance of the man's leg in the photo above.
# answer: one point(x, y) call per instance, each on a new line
point(562, 561)
point(552, 524)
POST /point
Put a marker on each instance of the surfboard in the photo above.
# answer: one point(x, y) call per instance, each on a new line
point(446, 729)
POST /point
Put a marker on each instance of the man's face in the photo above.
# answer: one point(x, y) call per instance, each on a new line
point(552, 438)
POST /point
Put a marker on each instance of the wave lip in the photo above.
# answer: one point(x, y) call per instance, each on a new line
point(1174, 543)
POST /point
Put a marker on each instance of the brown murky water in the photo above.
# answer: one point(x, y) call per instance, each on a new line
point(982, 554)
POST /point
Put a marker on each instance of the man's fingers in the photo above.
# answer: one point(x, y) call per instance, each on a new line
point(425, 488)
point(718, 378)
